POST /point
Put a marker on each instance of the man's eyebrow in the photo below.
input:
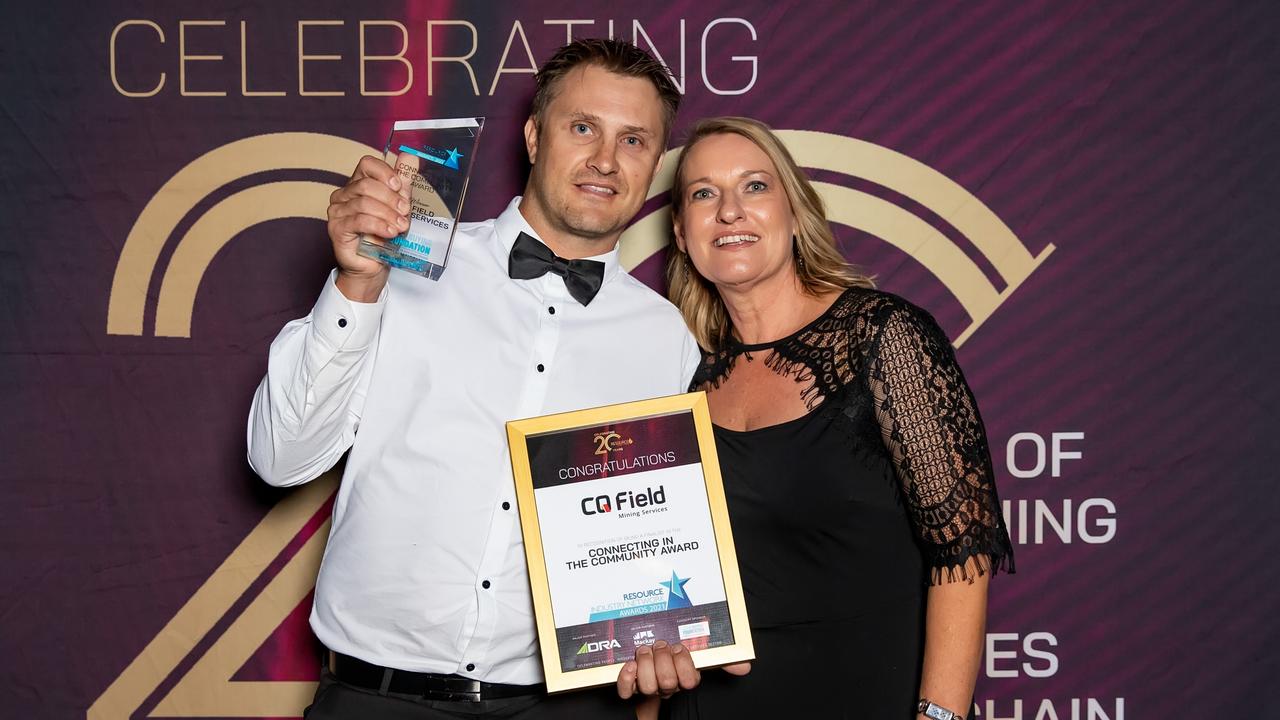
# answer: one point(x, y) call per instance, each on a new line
point(637, 129)
point(579, 116)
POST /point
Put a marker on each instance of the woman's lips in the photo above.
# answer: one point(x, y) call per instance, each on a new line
point(736, 239)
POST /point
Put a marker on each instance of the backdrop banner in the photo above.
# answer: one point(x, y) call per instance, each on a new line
point(1082, 193)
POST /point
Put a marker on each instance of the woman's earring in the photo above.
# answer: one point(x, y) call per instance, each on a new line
point(684, 267)
point(795, 245)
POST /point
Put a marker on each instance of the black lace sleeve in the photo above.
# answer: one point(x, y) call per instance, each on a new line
point(931, 428)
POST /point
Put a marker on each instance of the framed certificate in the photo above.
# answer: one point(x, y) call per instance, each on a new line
point(627, 536)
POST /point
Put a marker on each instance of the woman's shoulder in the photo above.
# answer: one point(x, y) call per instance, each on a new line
point(868, 311)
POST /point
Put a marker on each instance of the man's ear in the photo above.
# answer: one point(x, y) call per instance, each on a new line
point(531, 139)
point(657, 168)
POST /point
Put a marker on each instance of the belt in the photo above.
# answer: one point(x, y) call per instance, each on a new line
point(429, 686)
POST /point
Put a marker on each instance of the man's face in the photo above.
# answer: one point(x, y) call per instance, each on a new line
point(599, 144)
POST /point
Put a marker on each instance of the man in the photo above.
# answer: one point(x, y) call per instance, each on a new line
point(423, 597)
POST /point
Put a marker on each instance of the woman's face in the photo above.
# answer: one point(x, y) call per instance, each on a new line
point(736, 224)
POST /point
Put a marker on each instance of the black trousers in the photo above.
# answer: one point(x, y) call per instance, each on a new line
point(338, 701)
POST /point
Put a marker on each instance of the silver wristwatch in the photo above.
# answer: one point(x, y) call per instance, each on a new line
point(936, 712)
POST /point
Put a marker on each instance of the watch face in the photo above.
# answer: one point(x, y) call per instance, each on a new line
point(937, 713)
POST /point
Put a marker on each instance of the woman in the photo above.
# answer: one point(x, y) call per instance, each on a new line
point(855, 462)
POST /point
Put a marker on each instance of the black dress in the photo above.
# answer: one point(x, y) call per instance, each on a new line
point(842, 517)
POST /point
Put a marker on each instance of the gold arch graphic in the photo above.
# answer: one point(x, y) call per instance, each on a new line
point(214, 230)
point(885, 220)
point(937, 253)
point(207, 688)
point(193, 183)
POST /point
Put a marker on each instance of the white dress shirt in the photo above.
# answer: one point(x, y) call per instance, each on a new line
point(425, 566)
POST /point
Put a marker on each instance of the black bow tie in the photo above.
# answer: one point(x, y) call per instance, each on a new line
point(531, 259)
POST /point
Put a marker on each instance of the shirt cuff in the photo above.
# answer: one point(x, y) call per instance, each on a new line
point(344, 324)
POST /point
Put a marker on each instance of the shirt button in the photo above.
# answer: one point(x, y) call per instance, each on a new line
point(541, 367)
point(471, 666)
point(342, 322)
point(485, 584)
point(506, 506)
point(551, 310)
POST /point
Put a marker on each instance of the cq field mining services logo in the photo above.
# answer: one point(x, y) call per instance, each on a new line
point(211, 202)
point(623, 500)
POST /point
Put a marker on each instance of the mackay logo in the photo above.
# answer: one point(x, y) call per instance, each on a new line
point(624, 500)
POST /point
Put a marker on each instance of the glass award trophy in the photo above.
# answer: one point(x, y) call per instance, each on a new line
point(434, 159)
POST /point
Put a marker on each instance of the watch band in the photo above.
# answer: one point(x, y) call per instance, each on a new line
point(936, 712)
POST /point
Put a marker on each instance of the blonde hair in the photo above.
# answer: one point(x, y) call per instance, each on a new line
point(820, 267)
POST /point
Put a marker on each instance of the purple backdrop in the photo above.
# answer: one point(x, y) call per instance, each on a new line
point(1137, 141)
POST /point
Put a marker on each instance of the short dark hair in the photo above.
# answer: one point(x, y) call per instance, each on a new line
point(616, 56)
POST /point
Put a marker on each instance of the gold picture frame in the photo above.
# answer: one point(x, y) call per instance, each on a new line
point(623, 526)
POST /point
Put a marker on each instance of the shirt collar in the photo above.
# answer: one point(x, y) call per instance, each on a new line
point(511, 223)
